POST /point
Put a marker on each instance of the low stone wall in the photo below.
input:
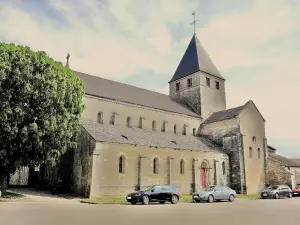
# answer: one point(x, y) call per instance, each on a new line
point(82, 163)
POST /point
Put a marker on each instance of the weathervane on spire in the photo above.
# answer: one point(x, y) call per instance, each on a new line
point(68, 57)
point(194, 22)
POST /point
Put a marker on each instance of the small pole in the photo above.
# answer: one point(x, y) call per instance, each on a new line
point(194, 22)
point(67, 63)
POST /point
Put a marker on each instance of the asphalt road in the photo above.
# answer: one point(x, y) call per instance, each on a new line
point(52, 211)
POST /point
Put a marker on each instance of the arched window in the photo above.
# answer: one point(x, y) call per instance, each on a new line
point(128, 121)
point(258, 153)
point(175, 129)
point(121, 164)
point(223, 168)
point(182, 166)
point(153, 125)
point(254, 139)
point(155, 166)
point(163, 128)
point(194, 131)
point(100, 117)
point(184, 130)
point(140, 125)
point(250, 152)
point(112, 119)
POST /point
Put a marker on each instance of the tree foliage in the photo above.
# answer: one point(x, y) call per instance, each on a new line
point(40, 107)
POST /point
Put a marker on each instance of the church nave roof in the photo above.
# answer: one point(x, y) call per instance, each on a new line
point(100, 87)
point(136, 136)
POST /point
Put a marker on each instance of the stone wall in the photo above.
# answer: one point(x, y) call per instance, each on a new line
point(277, 173)
point(19, 177)
point(234, 146)
point(82, 164)
point(212, 99)
point(107, 181)
point(216, 131)
point(266, 161)
point(226, 133)
point(202, 98)
point(190, 95)
point(94, 105)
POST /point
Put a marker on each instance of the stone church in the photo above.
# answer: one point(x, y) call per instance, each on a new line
point(132, 138)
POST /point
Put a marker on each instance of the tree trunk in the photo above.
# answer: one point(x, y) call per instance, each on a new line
point(3, 182)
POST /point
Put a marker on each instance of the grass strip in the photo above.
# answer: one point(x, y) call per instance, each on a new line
point(10, 195)
point(122, 200)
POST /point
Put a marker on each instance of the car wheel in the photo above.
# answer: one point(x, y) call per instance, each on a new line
point(133, 203)
point(145, 200)
point(231, 198)
point(290, 195)
point(276, 196)
point(162, 202)
point(210, 199)
point(174, 199)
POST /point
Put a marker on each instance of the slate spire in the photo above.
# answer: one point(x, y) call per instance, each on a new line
point(195, 59)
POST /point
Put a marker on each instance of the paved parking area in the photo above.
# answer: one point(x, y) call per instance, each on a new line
point(63, 211)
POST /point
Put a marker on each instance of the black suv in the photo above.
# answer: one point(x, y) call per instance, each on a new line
point(155, 193)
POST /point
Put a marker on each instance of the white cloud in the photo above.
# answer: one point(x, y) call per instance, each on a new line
point(128, 36)
point(232, 39)
point(244, 39)
point(113, 42)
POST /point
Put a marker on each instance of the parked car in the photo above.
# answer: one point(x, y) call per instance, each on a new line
point(155, 193)
point(215, 193)
point(296, 191)
point(277, 191)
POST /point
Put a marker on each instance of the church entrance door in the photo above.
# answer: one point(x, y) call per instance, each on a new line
point(203, 177)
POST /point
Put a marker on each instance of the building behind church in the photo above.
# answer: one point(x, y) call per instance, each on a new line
point(132, 138)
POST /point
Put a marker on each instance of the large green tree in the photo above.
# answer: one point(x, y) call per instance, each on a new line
point(40, 108)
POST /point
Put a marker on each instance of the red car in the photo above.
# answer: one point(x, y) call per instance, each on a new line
point(296, 191)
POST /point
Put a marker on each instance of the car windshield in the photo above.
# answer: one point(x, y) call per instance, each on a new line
point(298, 186)
point(148, 188)
point(273, 187)
point(210, 188)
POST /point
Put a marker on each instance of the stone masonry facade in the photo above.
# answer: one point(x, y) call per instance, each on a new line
point(277, 173)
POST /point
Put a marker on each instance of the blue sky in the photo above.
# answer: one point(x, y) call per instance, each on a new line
point(255, 44)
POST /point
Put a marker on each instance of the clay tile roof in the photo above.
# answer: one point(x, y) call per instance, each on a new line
point(100, 87)
point(137, 136)
point(283, 160)
point(224, 115)
point(229, 113)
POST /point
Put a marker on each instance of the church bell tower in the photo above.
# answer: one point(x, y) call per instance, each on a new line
point(198, 82)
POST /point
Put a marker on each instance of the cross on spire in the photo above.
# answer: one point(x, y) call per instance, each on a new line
point(68, 57)
point(194, 22)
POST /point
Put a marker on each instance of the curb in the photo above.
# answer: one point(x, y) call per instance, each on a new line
point(13, 199)
point(126, 203)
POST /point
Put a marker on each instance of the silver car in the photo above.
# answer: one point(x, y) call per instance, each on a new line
point(215, 193)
